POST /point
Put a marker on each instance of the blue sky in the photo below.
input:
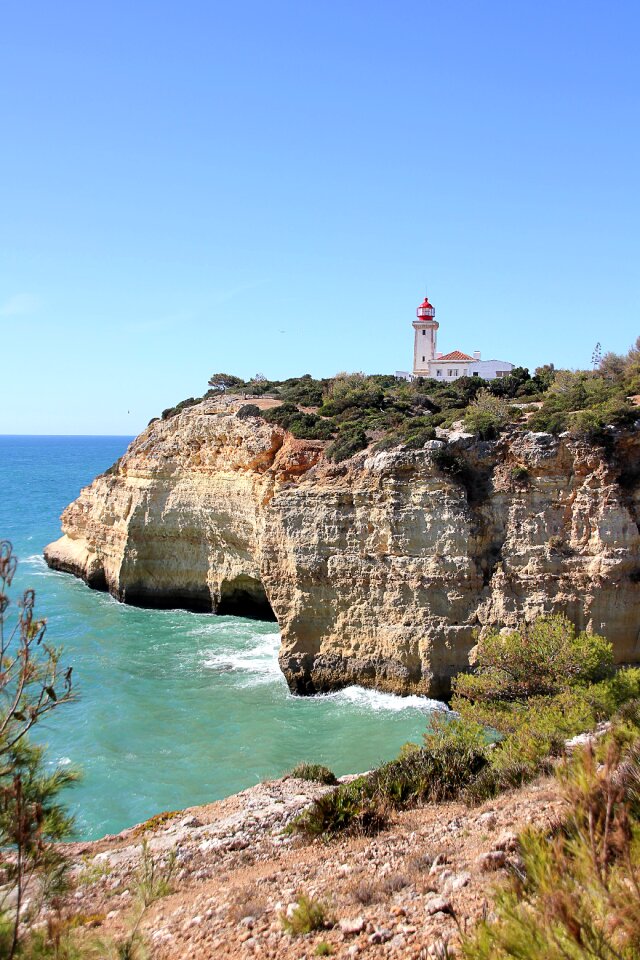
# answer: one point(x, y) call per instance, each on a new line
point(197, 186)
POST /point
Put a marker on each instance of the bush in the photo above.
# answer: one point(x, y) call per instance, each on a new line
point(324, 949)
point(307, 916)
point(248, 410)
point(538, 659)
point(179, 407)
point(549, 421)
point(486, 416)
point(576, 893)
point(586, 425)
point(314, 771)
point(352, 807)
point(304, 390)
point(520, 475)
point(417, 437)
point(454, 752)
point(350, 440)
point(355, 405)
point(303, 426)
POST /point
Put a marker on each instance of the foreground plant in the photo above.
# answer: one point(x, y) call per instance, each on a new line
point(538, 659)
point(577, 893)
point(32, 684)
point(153, 881)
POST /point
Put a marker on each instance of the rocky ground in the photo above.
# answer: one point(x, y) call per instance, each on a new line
point(403, 893)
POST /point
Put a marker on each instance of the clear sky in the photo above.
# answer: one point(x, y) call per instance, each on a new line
point(196, 186)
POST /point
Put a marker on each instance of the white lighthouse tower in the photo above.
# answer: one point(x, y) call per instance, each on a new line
point(424, 342)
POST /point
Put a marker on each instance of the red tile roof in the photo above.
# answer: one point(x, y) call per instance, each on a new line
point(455, 355)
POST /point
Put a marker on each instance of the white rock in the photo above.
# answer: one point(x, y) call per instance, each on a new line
point(457, 882)
point(351, 927)
point(437, 904)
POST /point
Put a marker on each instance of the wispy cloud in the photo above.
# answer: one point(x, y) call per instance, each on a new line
point(19, 305)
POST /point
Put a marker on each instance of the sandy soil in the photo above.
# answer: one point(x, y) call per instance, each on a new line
point(403, 893)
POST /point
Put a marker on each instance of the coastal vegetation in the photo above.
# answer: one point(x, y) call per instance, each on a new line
point(576, 891)
point(353, 411)
point(315, 772)
point(530, 691)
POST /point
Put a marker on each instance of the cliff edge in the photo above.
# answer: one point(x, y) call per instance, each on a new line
point(379, 570)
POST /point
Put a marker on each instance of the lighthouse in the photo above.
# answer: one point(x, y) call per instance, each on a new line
point(424, 341)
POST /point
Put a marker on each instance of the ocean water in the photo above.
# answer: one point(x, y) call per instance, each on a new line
point(175, 708)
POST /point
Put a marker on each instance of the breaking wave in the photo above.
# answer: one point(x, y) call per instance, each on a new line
point(259, 663)
point(377, 701)
point(37, 563)
point(258, 660)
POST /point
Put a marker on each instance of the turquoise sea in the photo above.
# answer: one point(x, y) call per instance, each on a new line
point(175, 708)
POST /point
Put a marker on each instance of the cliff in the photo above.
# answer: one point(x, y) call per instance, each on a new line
point(379, 570)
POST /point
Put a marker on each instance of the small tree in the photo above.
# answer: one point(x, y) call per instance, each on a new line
point(32, 685)
point(224, 381)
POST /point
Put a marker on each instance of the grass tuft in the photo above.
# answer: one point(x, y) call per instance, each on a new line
point(314, 771)
point(308, 915)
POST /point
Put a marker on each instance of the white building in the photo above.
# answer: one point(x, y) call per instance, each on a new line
point(428, 362)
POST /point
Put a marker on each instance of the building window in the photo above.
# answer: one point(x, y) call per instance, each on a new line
point(502, 373)
point(438, 373)
point(455, 373)
point(475, 373)
point(449, 373)
point(423, 332)
point(423, 359)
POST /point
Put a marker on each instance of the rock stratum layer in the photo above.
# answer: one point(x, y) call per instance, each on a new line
point(380, 570)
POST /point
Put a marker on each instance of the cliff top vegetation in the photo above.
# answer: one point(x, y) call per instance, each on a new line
point(353, 410)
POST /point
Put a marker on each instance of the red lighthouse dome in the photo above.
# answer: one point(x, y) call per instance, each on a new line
point(425, 311)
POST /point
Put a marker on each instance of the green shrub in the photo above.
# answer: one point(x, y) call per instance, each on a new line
point(352, 807)
point(304, 390)
point(454, 752)
point(248, 410)
point(575, 895)
point(520, 475)
point(538, 659)
point(324, 949)
point(308, 915)
point(584, 402)
point(486, 415)
point(179, 407)
point(310, 427)
point(586, 425)
point(350, 440)
point(549, 421)
point(416, 438)
point(314, 771)
point(303, 426)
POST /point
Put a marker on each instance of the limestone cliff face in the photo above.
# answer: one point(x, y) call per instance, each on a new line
point(379, 570)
